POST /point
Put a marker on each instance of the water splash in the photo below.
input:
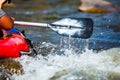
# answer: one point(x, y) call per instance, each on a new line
point(90, 65)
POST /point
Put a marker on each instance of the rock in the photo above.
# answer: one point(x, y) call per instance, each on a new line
point(9, 5)
point(4, 74)
point(12, 66)
point(97, 6)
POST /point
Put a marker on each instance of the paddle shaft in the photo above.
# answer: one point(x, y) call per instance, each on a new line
point(22, 23)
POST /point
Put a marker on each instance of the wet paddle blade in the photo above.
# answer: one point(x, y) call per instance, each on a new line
point(74, 27)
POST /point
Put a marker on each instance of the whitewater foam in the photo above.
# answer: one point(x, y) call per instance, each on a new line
point(100, 65)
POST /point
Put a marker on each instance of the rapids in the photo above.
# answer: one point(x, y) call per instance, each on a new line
point(104, 65)
point(61, 58)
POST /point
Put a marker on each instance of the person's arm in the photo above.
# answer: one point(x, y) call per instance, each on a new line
point(5, 21)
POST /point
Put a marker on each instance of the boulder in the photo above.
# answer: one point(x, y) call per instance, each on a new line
point(12, 66)
point(4, 74)
point(97, 6)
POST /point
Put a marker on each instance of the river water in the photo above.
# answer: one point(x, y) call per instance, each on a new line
point(62, 58)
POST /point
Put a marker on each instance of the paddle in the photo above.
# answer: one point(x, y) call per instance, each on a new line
point(73, 27)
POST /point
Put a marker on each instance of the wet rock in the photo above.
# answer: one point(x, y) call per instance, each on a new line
point(60, 74)
point(114, 76)
point(78, 75)
point(4, 74)
point(9, 5)
point(97, 6)
point(73, 74)
point(12, 66)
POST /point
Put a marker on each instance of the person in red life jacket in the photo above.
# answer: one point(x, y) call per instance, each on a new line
point(6, 22)
point(21, 43)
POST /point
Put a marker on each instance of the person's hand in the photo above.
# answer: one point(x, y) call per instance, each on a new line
point(2, 2)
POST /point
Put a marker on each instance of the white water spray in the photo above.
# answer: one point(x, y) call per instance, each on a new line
point(102, 66)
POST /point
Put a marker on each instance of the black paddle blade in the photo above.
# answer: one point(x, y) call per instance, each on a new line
point(74, 27)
